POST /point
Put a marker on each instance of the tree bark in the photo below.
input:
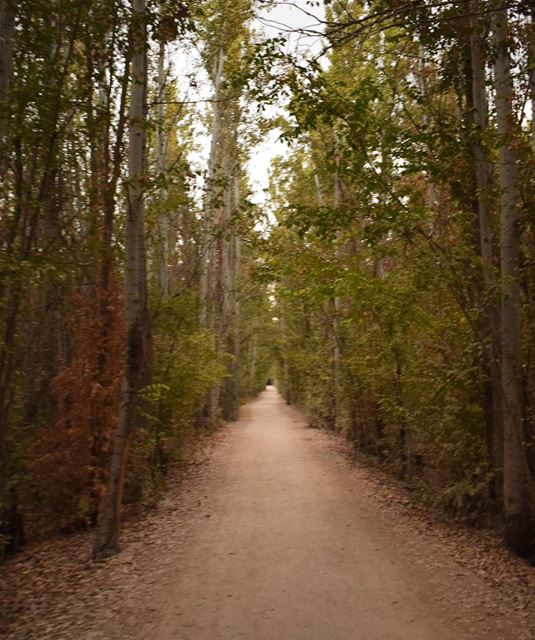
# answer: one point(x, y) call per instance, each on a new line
point(489, 303)
point(232, 314)
point(210, 266)
point(285, 365)
point(337, 356)
point(7, 27)
point(10, 522)
point(163, 220)
point(252, 368)
point(531, 63)
point(208, 253)
point(517, 513)
point(137, 338)
point(431, 199)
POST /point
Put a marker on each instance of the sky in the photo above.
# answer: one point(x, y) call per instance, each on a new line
point(286, 18)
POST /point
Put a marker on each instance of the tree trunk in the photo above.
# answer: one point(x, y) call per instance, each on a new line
point(431, 199)
point(489, 305)
point(519, 523)
point(337, 356)
point(232, 390)
point(7, 26)
point(208, 254)
point(252, 368)
point(337, 303)
point(137, 339)
point(226, 277)
point(163, 220)
point(531, 72)
point(209, 283)
point(285, 366)
point(10, 522)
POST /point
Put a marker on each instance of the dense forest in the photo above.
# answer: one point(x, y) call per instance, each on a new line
point(386, 281)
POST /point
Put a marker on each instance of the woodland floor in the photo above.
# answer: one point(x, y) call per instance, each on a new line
point(275, 534)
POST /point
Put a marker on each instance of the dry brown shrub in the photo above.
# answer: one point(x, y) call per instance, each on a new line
point(70, 457)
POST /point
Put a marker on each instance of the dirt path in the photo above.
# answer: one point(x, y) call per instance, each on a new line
point(286, 544)
point(274, 534)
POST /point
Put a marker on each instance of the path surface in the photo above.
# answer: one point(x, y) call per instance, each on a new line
point(287, 545)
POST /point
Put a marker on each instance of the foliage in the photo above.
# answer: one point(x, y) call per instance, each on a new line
point(378, 267)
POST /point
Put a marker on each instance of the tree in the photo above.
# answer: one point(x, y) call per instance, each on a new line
point(519, 523)
point(138, 333)
point(226, 37)
point(490, 329)
point(406, 93)
point(6, 63)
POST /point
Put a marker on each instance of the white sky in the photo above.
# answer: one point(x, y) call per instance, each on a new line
point(286, 18)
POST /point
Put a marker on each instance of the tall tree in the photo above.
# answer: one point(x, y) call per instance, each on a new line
point(138, 333)
point(226, 34)
point(490, 330)
point(7, 25)
point(519, 522)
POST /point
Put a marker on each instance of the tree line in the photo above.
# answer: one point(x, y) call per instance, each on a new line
point(404, 253)
point(129, 316)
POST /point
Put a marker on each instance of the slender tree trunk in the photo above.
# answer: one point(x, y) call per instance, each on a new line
point(221, 268)
point(531, 63)
point(431, 199)
point(331, 307)
point(208, 257)
point(489, 304)
point(137, 339)
point(209, 291)
point(519, 522)
point(9, 518)
point(401, 436)
point(163, 221)
point(7, 26)
point(231, 269)
point(337, 356)
point(252, 370)
point(226, 277)
point(285, 366)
